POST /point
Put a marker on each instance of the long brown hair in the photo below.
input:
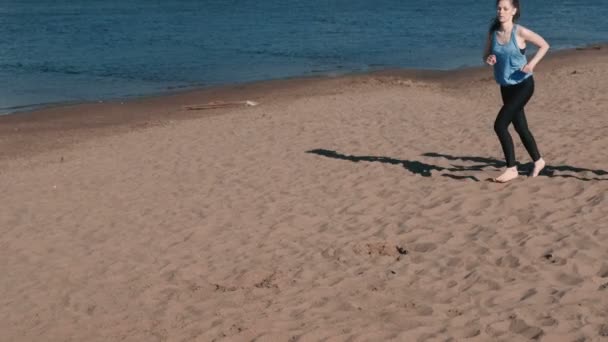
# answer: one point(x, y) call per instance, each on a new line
point(496, 23)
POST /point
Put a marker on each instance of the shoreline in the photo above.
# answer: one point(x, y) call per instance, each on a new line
point(38, 130)
point(423, 74)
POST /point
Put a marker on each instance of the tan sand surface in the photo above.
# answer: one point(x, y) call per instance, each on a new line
point(352, 208)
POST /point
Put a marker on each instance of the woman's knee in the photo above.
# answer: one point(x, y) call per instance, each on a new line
point(522, 130)
point(500, 127)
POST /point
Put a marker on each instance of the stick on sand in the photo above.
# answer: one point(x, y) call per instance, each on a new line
point(220, 104)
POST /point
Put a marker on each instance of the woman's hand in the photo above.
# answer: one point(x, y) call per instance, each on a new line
point(491, 60)
point(528, 68)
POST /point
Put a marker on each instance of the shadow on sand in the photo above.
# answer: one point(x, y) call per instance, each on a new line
point(480, 163)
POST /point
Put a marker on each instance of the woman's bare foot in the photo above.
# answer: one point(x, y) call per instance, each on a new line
point(538, 166)
point(509, 174)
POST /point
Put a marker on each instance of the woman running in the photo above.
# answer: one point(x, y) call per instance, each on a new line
point(505, 50)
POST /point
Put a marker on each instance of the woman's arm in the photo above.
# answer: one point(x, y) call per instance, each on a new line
point(534, 38)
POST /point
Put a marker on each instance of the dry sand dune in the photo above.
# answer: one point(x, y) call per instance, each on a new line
point(346, 209)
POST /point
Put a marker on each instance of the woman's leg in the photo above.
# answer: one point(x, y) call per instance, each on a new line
point(514, 98)
point(521, 127)
point(501, 127)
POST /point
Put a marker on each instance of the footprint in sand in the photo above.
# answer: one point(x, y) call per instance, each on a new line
point(508, 261)
point(519, 326)
point(547, 321)
point(603, 330)
point(382, 248)
point(569, 279)
point(497, 329)
point(454, 262)
point(454, 313)
point(424, 247)
point(421, 310)
point(557, 295)
point(553, 259)
point(223, 288)
point(465, 332)
point(528, 294)
point(332, 253)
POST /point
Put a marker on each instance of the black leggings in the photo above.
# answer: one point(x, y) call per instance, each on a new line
point(514, 98)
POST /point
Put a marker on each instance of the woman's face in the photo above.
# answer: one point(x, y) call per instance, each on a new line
point(505, 11)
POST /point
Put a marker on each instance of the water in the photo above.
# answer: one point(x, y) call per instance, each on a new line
point(90, 50)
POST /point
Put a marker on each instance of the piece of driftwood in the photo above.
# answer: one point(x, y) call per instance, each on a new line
point(220, 104)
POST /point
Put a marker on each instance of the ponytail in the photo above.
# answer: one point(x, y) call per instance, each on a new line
point(495, 25)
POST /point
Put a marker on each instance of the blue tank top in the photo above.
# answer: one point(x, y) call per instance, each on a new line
point(509, 60)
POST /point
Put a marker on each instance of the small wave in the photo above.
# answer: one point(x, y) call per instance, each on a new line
point(292, 54)
point(28, 107)
point(132, 74)
point(40, 67)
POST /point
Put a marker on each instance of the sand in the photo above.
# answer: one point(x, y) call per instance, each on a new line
point(352, 208)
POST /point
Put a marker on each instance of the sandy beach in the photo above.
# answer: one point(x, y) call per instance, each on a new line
point(351, 208)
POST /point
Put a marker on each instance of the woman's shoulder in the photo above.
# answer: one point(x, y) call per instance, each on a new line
point(522, 30)
point(525, 33)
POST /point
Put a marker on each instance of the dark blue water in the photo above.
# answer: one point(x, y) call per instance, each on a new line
point(89, 50)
